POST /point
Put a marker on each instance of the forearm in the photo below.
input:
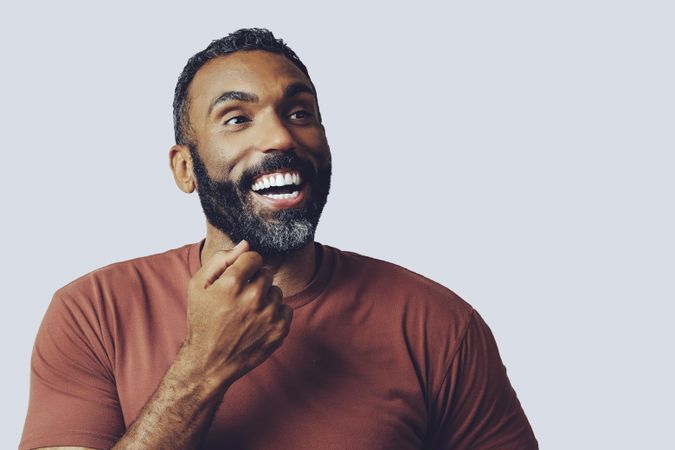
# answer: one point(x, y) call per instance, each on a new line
point(179, 413)
point(236, 320)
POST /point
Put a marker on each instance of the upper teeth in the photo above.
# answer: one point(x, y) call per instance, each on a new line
point(276, 179)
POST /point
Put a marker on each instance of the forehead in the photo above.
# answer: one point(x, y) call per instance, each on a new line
point(259, 72)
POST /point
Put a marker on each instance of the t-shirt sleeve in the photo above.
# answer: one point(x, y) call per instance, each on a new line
point(73, 399)
point(476, 406)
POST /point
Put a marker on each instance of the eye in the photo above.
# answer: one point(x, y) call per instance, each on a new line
point(237, 120)
point(300, 115)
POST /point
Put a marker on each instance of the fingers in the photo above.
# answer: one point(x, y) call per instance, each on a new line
point(276, 309)
point(216, 265)
point(275, 298)
point(241, 271)
point(286, 314)
point(260, 286)
point(282, 325)
point(238, 250)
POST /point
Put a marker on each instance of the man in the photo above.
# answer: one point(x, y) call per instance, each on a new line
point(258, 337)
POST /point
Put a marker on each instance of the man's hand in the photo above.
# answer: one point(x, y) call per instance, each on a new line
point(236, 318)
point(235, 321)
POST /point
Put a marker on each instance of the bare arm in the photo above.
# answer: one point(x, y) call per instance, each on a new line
point(236, 320)
point(180, 411)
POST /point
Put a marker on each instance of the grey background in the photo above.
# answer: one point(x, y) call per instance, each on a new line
point(520, 153)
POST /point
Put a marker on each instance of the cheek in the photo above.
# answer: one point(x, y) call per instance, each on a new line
point(233, 154)
point(323, 155)
point(219, 163)
point(315, 141)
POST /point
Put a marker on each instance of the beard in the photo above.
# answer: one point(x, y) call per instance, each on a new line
point(229, 205)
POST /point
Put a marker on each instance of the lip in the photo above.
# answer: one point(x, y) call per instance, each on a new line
point(282, 203)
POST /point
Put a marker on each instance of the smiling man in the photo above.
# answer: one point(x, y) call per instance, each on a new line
point(258, 337)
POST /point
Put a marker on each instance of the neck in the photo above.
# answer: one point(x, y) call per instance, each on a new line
point(292, 272)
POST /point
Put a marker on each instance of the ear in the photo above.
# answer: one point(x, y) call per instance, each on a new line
point(180, 162)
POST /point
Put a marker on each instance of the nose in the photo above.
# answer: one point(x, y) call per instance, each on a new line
point(275, 135)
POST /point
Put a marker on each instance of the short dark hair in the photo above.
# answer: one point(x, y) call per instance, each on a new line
point(245, 39)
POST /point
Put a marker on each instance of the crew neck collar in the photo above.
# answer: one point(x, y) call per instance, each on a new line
point(326, 260)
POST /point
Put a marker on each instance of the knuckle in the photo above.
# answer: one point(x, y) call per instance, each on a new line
point(280, 333)
point(268, 313)
point(263, 278)
point(234, 272)
point(254, 257)
point(228, 282)
point(250, 304)
point(276, 336)
point(273, 342)
point(266, 274)
point(254, 292)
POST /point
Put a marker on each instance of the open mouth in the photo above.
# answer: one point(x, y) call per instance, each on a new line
point(282, 188)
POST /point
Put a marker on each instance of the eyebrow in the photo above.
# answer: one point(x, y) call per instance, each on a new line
point(297, 88)
point(233, 95)
point(291, 90)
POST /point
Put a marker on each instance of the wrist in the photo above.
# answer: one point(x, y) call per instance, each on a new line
point(194, 375)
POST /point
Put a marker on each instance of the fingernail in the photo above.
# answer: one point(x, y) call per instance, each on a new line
point(240, 244)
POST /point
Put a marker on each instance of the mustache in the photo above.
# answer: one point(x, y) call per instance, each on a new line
point(274, 162)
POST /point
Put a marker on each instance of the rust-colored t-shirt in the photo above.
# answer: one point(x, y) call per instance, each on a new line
point(377, 357)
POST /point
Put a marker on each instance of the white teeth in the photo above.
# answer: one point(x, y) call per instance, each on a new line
point(293, 194)
point(277, 179)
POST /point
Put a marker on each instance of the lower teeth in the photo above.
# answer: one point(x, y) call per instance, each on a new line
point(293, 194)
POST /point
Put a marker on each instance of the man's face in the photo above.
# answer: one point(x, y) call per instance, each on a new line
point(261, 158)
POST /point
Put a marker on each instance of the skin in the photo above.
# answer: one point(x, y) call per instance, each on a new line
point(229, 149)
point(236, 318)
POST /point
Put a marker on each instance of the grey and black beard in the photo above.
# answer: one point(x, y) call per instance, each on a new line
point(229, 206)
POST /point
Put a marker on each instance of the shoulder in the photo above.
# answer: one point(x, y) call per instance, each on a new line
point(407, 309)
point(132, 274)
point(400, 285)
